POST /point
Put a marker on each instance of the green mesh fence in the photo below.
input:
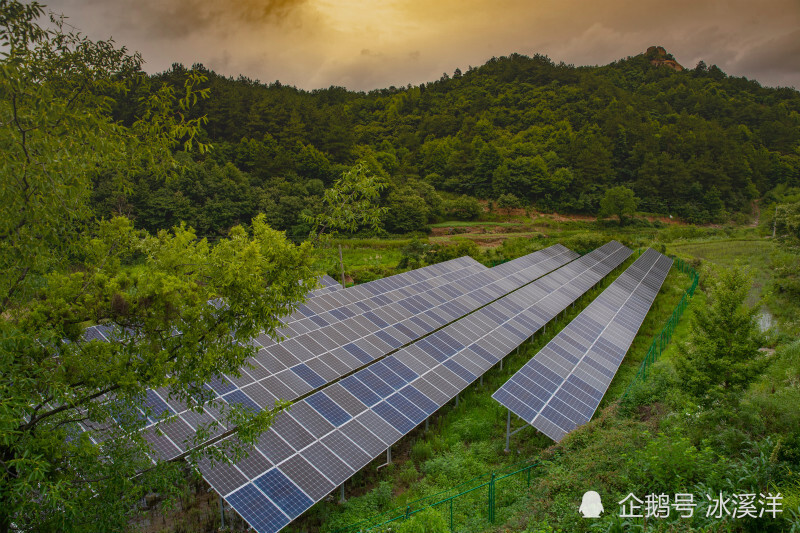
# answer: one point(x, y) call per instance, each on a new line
point(472, 502)
point(661, 340)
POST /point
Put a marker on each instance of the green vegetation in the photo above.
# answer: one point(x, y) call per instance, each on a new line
point(74, 454)
point(658, 439)
point(720, 357)
point(618, 201)
point(697, 145)
point(130, 201)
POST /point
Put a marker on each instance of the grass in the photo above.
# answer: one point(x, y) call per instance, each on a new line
point(468, 440)
point(753, 254)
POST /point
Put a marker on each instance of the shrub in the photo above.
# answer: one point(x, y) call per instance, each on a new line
point(426, 521)
point(463, 208)
point(421, 451)
point(669, 463)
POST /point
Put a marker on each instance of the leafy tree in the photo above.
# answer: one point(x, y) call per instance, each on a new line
point(509, 202)
point(721, 356)
point(74, 454)
point(407, 212)
point(618, 201)
point(463, 208)
point(350, 203)
point(787, 220)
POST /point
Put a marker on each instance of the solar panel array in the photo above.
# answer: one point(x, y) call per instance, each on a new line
point(160, 402)
point(370, 294)
point(325, 438)
point(560, 388)
point(326, 354)
point(326, 284)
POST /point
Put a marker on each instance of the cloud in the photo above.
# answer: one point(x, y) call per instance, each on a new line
point(775, 55)
point(177, 19)
point(363, 44)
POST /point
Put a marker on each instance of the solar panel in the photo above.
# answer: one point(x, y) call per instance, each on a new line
point(310, 363)
point(561, 387)
point(392, 410)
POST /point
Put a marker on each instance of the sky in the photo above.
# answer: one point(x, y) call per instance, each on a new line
point(371, 44)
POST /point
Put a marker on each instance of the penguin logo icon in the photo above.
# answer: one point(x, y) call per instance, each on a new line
point(591, 506)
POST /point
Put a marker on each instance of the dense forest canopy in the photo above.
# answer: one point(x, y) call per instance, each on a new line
point(695, 144)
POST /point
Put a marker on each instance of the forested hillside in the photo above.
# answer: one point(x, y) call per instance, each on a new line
point(695, 144)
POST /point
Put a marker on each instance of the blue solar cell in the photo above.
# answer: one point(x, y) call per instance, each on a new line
point(388, 339)
point(308, 375)
point(221, 385)
point(511, 402)
point(355, 387)
point(407, 332)
point(158, 406)
point(305, 310)
point(358, 353)
point(380, 387)
point(409, 306)
point(585, 387)
point(440, 345)
point(338, 314)
point(419, 399)
point(318, 321)
point(589, 361)
point(290, 499)
point(552, 414)
point(460, 371)
point(382, 371)
point(257, 510)
point(433, 319)
point(543, 370)
point(524, 395)
point(328, 408)
point(383, 300)
point(449, 340)
point(425, 326)
point(400, 369)
point(239, 398)
point(431, 350)
point(584, 412)
point(349, 313)
point(483, 353)
point(394, 417)
point(375, 319)
point(517, 333)
point(405, 406)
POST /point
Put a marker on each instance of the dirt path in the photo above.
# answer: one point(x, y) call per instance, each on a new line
point(758, 214)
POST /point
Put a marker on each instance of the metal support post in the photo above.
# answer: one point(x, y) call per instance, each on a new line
point(388, 455)
point(341, 493)
point(481, 380)
point(221, 514)
point(456, 400)
point(508, 431)
point(427, 423)
point(341, 264)
point(501, 363)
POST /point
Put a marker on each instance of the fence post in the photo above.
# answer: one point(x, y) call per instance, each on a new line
point(491, 499)
point(451, 515)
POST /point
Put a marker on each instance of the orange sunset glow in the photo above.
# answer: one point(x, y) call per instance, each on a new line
point(363, 44)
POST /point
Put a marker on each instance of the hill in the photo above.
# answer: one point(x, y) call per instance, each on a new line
point(692, 143)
